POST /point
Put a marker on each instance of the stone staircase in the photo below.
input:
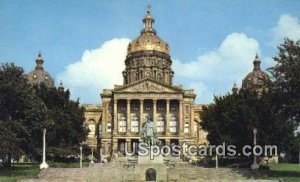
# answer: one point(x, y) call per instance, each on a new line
point(118, 171)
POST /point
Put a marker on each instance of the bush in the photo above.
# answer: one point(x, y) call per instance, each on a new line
point(264, 167)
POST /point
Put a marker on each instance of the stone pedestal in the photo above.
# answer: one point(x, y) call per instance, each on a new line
point(145, 163)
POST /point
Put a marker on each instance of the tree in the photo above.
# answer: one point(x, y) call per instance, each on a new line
point(231, 119)
point(22, 114)
point(286, 75)
point(67, 129)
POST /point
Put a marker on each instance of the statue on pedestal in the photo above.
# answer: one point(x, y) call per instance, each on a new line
point(148, 133)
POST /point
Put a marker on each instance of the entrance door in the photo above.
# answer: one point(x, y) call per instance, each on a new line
point(174, 142)
point(135, 146)
point(121, 145)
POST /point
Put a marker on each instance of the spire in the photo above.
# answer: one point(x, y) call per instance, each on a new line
point(234, 89)
point(148, 22)
point(61, 87)
point(39, 61)
point(256, 63)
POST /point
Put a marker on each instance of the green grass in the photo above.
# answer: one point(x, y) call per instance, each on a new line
point(22, 171)
point(17, 172)
point(286, 172)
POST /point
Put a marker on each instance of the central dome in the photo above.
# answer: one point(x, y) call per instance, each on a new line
point(148, 40)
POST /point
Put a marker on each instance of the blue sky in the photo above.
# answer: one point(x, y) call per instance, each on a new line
point(213, 43)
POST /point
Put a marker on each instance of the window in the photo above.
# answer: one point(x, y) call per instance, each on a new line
point(173, 108)
point(108, 127)
point(173, 124)
point(159, 77)
point(186, 109)
point(92, 128)
point(135, 107)
point(122, 124)
point(186, 127)
point(123, 108)
point(100, 129)
point(147, 108)
point(160, 124)
point(160, 108)
point(135, 124)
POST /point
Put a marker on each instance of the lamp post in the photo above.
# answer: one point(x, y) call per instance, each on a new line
point(44, 165)
point(92, 159)
point(80, 156)
point(254, 165)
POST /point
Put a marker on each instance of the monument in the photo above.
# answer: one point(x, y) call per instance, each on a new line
point(147, 168)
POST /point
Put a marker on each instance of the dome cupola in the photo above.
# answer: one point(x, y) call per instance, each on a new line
point(148, 40)
point(39, 75)
point(256, 80)
point(148, 56)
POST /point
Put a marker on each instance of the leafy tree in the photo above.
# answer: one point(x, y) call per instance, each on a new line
point(286, 75)
point(22, 114)
point(232, 117)
point(66, 129)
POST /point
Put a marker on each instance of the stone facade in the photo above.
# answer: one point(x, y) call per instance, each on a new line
point(147, 90)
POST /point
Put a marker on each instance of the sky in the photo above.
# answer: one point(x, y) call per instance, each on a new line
point(83, 43)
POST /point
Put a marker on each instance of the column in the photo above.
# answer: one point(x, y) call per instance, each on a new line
point(115, 146)
point(168, 115)
point(128, 116)
point(168, 142)
point(128, 145)
point(115, 129)
point(141, 112)
point(154, 113)
point(192, 129)
point(181, 125)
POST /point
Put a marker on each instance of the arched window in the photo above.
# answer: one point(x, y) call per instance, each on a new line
point(186, 127)
point(142, 74)
point(100, 129)
point(159, 77)
point(92, 128)
point(195, 128)
point(122, 124)
point(134, 124)
point(173, 124)
point(108, 127)
point(160, 124)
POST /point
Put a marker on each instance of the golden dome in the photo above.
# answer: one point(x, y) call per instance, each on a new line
point(148, 40)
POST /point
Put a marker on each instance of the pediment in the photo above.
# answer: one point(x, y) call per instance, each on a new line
point(148, 85)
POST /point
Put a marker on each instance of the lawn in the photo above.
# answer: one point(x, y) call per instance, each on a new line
point(17, 172)
point(21, 171)
point(286, 172)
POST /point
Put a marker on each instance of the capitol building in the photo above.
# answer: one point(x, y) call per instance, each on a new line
point(147, 91)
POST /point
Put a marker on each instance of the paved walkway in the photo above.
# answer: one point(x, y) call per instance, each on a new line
point(116, 172)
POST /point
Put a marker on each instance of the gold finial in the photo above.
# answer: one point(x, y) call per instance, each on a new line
point(256, 62)
point(40, 55)
point(148, 8)
point(39, 61)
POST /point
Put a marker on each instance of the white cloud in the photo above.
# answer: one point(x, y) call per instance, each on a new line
point(98, 69)
point(211, 73)
point(215, 72)
point(287, 26)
